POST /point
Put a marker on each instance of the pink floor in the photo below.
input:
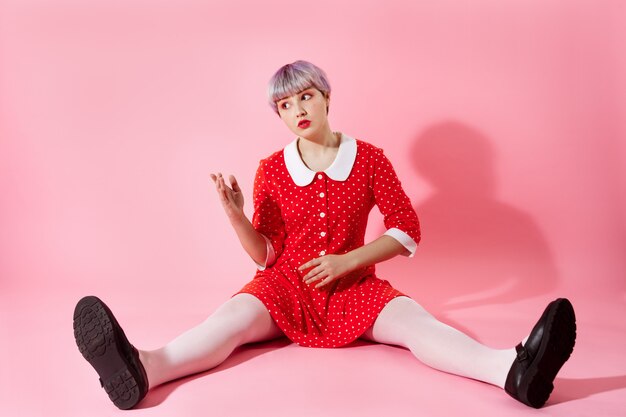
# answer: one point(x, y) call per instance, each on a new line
point(43, 373)
point(504, 120)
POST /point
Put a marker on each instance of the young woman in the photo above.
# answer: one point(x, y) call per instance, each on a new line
point(315, 280)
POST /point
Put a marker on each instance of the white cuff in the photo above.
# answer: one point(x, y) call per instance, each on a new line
point(406, 240)
point(271, 255)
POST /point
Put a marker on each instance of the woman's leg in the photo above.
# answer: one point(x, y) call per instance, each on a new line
point(405, 323)
point(242, 319)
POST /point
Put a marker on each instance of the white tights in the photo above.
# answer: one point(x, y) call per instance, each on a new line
point(405, 323)
point(244, 319)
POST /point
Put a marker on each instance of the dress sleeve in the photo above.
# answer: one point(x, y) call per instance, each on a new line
point(398, 214)
point(267, 218)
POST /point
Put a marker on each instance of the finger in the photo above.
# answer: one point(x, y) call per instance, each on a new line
point(313, 272)
point(223, 196)
point(222, 188)
point(309, 264)
point(324, 282)
point(223, 182)
point(221, 191)
point(217, 179)
point(228, 191)
point(234, 184)
point(217, 183)
point(218, 186)
point(314, 278)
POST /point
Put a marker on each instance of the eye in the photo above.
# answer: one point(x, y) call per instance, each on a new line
point(307, 94)
point(284, 105)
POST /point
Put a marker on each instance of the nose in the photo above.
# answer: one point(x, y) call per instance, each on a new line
point(299, 109)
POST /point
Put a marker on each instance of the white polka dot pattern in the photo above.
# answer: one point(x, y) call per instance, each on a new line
point(325, 217)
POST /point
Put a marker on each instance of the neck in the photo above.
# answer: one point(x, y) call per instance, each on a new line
point(320, 142)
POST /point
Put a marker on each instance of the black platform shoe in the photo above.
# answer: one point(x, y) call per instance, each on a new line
point(104, 345)
point(550, 344)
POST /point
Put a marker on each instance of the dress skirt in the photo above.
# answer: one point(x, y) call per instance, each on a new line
point(333, 315)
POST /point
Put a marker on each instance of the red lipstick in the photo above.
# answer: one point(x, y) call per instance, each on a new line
point(304, 123)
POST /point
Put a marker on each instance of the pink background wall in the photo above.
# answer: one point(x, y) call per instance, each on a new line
point(505, 120)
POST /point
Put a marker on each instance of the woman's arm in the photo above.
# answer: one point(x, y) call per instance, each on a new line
point(251, 240)
point(232, 200)
point(328, 268)
point(381, 249)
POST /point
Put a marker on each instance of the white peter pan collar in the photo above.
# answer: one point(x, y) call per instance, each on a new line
point(339, 170)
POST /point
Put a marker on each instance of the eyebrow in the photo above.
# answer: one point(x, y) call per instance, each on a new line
point(299, 92)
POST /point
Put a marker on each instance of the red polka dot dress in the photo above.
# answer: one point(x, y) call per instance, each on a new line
point(304, 215)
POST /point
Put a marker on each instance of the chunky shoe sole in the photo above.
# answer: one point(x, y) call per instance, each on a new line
point(103, 344)
point(557, 344)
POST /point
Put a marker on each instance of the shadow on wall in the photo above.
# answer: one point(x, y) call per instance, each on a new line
point(475, 250)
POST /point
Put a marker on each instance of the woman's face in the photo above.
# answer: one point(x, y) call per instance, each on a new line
point(308, 105)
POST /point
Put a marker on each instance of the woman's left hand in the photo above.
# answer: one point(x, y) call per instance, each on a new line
point(326, 268)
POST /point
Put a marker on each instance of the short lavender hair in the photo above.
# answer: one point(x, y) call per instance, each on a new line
point(292, 78)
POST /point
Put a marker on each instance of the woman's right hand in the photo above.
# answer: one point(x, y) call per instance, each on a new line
point(231, 198)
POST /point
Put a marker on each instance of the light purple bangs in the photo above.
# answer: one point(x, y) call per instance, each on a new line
point(293, 78)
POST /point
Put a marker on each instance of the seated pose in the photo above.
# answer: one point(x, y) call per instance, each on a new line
point(315, 280)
